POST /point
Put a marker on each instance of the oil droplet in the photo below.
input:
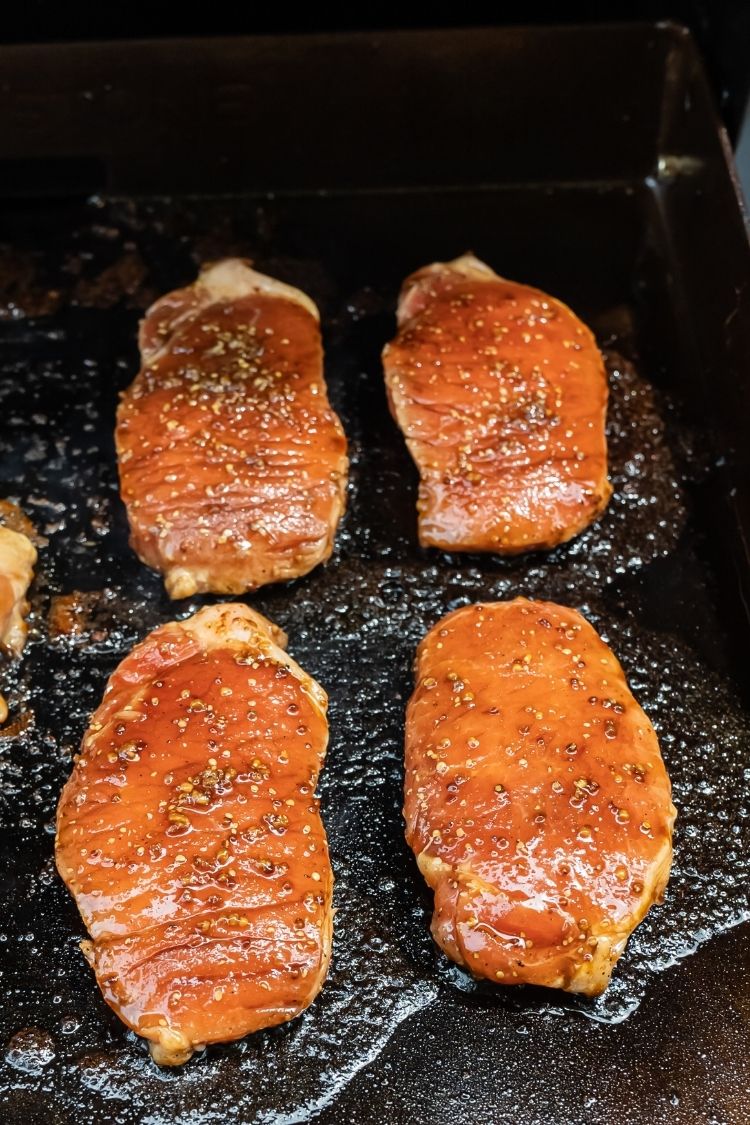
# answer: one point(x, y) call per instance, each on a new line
point(30, 1050)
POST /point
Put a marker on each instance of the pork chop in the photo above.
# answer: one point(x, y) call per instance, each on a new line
point(501, 393)
point(536, 800)
point(233, 465)
point(190, 837)
point(17, 559)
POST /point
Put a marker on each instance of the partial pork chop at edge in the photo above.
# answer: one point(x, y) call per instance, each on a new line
point(17, 559)
point(233, 465)
point(501, 394)
point(190, 837)
point(536, 800)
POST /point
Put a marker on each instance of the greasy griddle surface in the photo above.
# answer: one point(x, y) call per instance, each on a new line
point(398, 1034)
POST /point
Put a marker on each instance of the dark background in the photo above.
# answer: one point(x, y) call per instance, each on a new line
point(721, 27)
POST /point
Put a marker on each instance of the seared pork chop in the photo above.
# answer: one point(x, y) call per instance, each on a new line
point(17, 559)
point(501, 394)
point(233, 465)
point(537, 803)
point(190, 837)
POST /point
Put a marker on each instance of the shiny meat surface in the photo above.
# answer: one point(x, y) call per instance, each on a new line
point(501, 394)
point(190, 837)
point(233, 465)
point(536, 800)
point(17, 559)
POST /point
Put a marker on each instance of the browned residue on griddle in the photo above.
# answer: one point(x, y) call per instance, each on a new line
point(70, 615)
point(18, 724)
point(21, 295)
point(124, 280)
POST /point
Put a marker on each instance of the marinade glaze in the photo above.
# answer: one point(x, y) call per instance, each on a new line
point(233, 465)
point(190, 837)
point(501, 393)
point(536, 799)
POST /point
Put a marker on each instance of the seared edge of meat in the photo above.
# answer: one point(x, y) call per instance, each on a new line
point(416, 287)
point(227, 280)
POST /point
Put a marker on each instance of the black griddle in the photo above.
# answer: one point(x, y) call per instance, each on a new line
point(589, 162)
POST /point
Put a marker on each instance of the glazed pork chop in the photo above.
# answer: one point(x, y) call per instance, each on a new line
point(501, 394)
point(537, 803)
point(190, 837)
point(233, 465)
point(17, 559)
